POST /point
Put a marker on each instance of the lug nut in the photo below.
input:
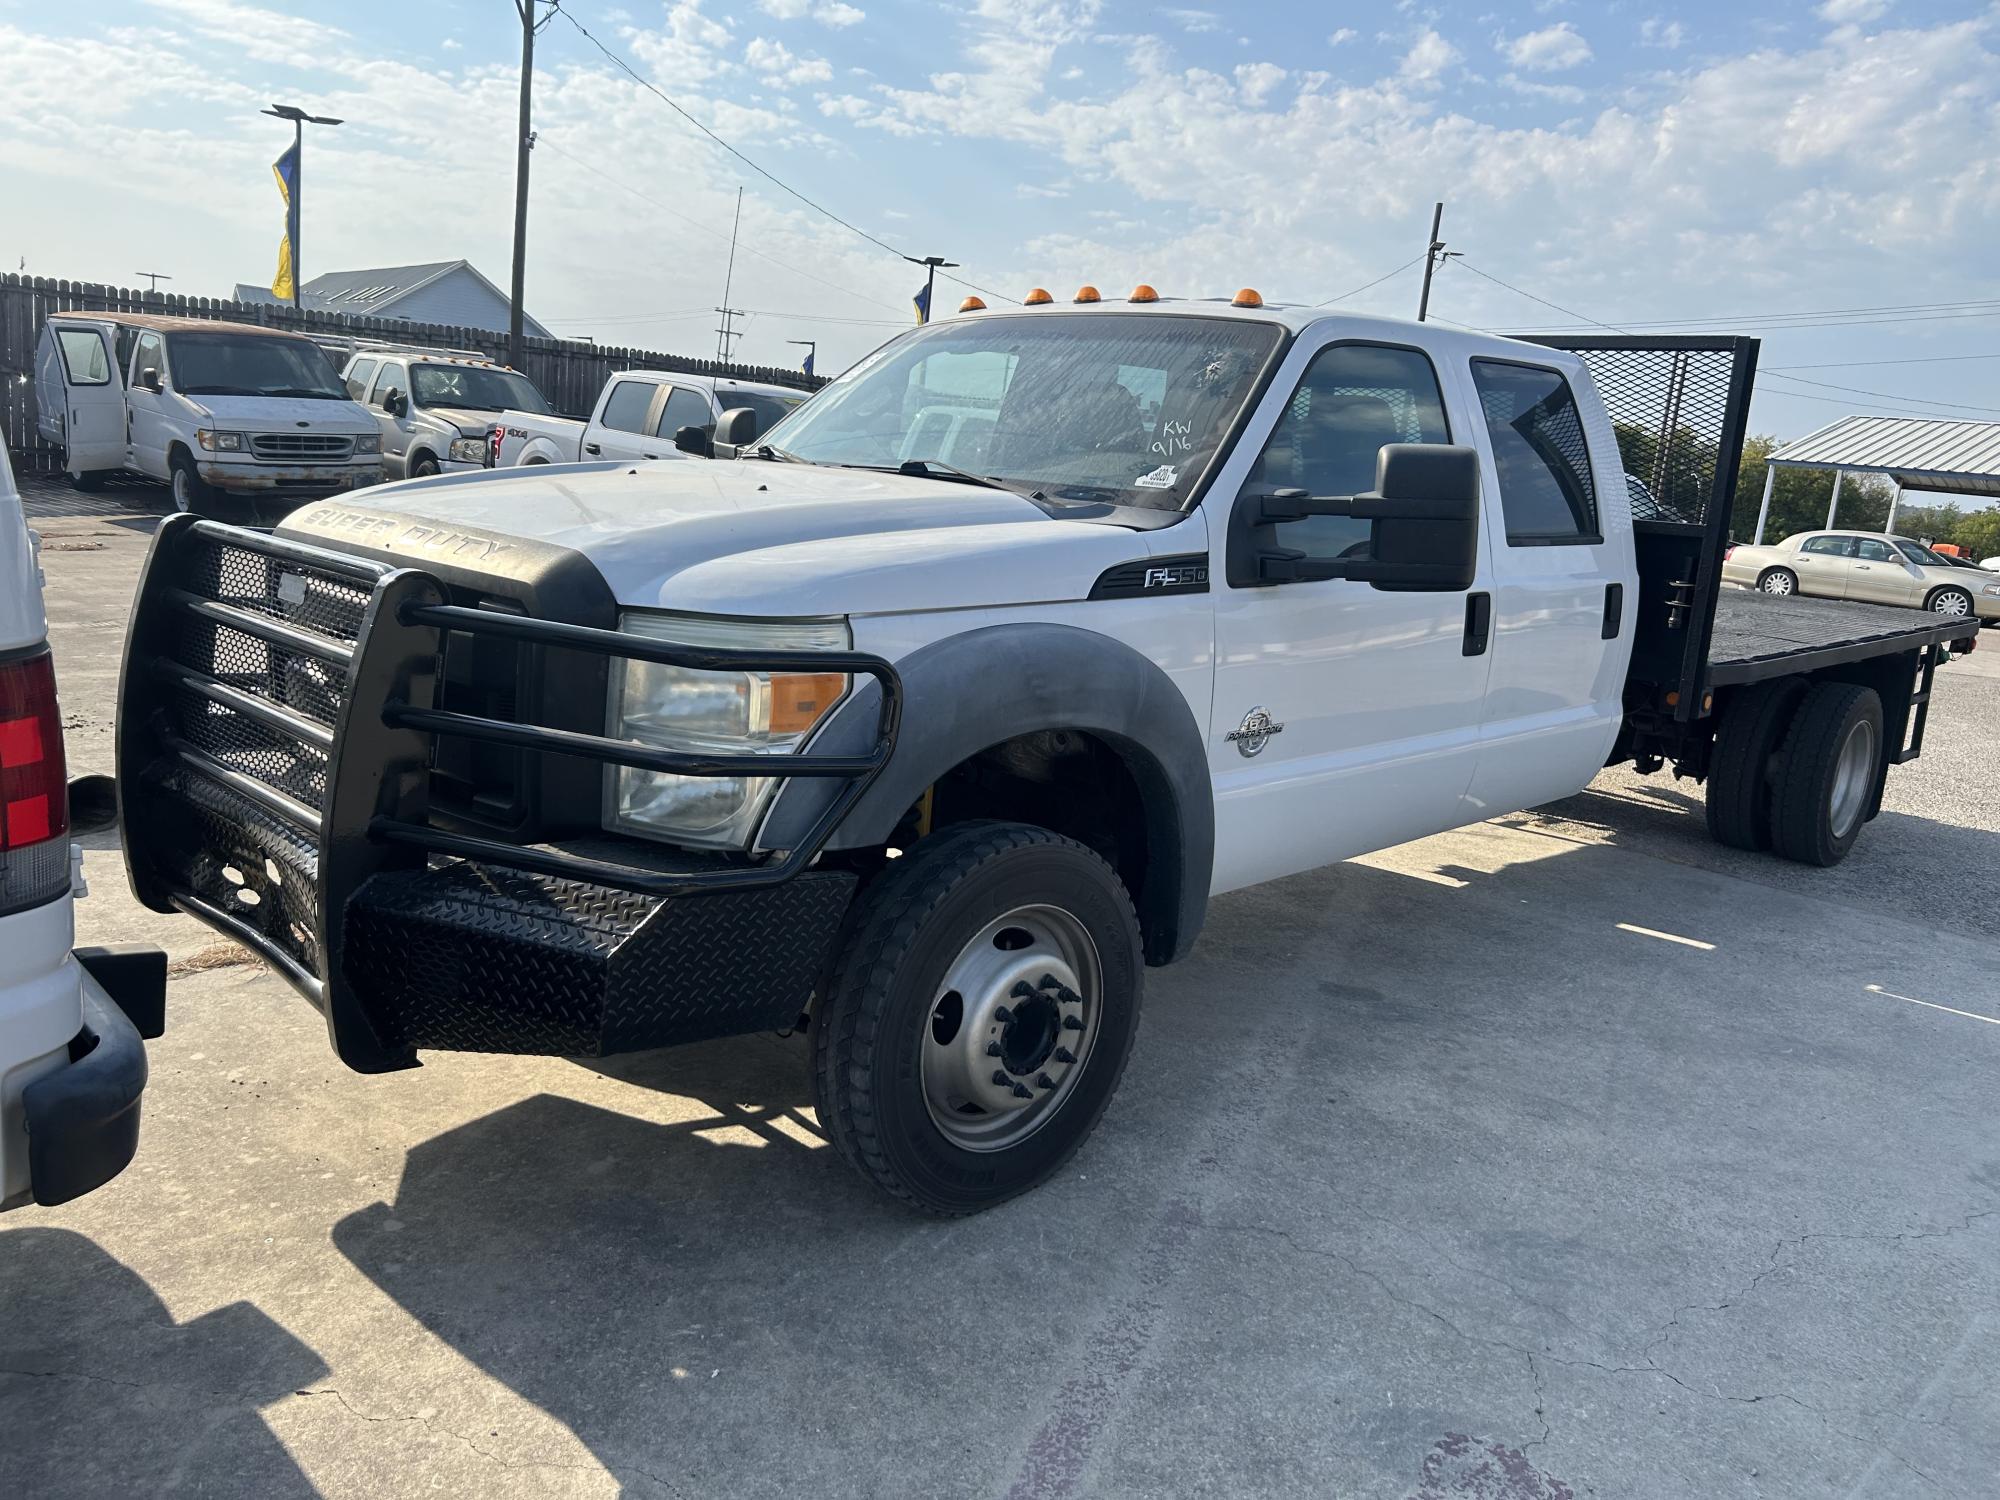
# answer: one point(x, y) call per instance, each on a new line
point(1043, 1081)
point(1004, 1016)
point(1064, 1055)
point(1048, 982)
point(992, 1049)
point(1072, 1023)
point(1022, 1091)
point(1022, 990)
point(1003, 1078)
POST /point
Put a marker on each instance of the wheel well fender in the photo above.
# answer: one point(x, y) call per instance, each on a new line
point(970, 693)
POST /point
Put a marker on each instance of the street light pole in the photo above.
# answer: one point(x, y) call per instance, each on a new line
point(931, 263)
point(300, 119)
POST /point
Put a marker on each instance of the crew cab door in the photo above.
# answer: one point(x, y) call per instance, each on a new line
point(1564, 582)
point(1346, 717)
point(1824, 565)
point(79, 396)
point(396, 426)
point(156, 414)
point(1879, 575)
point(621, 427)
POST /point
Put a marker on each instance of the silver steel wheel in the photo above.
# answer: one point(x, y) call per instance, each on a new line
point(1011, 1028)
point(1776, 582)
point(183, 489)
point(1853, 779)
point(1951, 602)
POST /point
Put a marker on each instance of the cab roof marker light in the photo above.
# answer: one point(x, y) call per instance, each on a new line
point(1246, 297)
point(1087, 294)
point(972, 304)
point(1144, 293)
point(1038, 297)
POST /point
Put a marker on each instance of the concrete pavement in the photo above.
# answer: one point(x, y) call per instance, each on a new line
point(1559, 1156)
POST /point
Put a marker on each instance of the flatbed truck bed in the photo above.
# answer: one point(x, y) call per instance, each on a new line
point(1760, 636)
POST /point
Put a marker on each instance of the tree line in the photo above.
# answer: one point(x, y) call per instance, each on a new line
point(1799, 500)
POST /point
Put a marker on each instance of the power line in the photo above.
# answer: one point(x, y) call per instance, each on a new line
point(1855, 364)
point(549, 145)
point(1885, 395)
point(1824, 312)
point(1569, 312)
point(1376, 282)
point(818, 208)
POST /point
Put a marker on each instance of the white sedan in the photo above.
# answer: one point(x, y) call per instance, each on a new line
point(1871, 567)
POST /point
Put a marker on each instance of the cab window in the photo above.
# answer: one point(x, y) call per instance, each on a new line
point(149, 354)
point(389, 378)
point(1829, 546)
point(1539, 454)
point(684, 408)
point(625, 408)
point(1870, 550)
point(1353, 399)
point(357, 378)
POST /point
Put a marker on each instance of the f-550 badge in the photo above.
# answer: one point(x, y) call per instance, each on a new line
point(1154, 577)
point(1175, 575)
point(1254, 733)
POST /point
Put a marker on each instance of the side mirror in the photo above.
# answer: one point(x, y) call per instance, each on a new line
point(737, 427)
point(692, 439)
point(394, 403)
point(1424, 526)
point(149, 379)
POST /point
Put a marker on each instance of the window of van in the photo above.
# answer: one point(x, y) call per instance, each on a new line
point(83, 356)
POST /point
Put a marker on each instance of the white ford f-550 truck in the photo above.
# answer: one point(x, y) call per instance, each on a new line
point(940, 711)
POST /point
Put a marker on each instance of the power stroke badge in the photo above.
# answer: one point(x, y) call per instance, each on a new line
point(1254, 733)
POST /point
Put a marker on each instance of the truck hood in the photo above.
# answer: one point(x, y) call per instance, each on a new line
point(755, 538)
point(469, 422)
point(282, 413)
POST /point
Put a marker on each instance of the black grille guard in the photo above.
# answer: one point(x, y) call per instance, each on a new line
point(277, 715)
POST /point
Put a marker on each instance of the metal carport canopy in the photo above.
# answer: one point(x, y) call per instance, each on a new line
point(1949, 457)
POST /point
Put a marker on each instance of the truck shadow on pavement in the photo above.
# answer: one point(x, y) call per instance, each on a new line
point(176, 1410)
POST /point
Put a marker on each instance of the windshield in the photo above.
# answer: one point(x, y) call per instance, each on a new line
point(770, 410)
point(1921, 555)
point(1123, 408)
point(250, 364)
point(476, 388)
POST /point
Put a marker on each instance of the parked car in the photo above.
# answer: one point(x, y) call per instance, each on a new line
point(72, 1066)
point(638, 415)
point(215, 409)
point(944, 730)
point(435, 407)
point(1871, 567)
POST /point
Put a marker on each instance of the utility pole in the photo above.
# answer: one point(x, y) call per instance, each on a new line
point(729, 314)
point(931, 263)
point(1435, 255)
point(156, 277)
point(812, 352)
point(523, 144)
point(295, 194)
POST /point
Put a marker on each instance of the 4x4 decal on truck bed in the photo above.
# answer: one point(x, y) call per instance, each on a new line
point(1186, 573)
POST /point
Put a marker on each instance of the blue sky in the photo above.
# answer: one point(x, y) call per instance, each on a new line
point(1631, 163)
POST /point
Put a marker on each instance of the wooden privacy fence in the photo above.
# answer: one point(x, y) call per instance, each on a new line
point(569, 372)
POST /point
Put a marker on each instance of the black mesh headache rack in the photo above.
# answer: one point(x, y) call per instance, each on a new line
point(1680, 407)
point(281, 717)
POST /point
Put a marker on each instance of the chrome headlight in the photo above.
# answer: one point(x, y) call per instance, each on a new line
point(468, 450)
point(1991, 588)
point(368, 442)
point(729, 713)
point(219, 442)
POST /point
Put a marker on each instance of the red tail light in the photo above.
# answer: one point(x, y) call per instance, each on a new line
point(34, 785)
point(493, 436)
point(1727, 551)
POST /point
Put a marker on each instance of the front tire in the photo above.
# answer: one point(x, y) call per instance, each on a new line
point(424, 467)
point(1831, 765)
point(1953, 604)
point(979, 1017)
point(1753, 725)
point(1778, 581)
point(88, 480)
point(192, 495)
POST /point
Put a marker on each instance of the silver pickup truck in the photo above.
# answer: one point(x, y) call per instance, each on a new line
point(436, 407)
point(637, 415)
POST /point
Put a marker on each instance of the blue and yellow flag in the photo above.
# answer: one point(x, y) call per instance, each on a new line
point(808, 365)
point(286, 170)
point(922, 303)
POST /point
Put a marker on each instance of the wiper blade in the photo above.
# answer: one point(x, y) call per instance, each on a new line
point(932, 468)
point(775, 455)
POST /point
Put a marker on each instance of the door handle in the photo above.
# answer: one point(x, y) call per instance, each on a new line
point(1478, 623)
point(1614, 610)
point(592, 448)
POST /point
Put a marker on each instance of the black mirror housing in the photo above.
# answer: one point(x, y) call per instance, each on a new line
point(693, 439)
point(737, 427)
point(149, 379)
point(1424, 532)
point(393, 403)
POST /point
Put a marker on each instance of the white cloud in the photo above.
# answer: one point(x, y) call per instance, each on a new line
point(451, 44)
point(1342, 37)
point(1428, 57)
point(837, 14)
point(826, 12)
point(265, 35)
point(1550, 50)
point(1654, 32)
point(780, 67)
point(1852, 12)
point(1194, 20)
point(1256, 80)
point(1561, 93)
point(785, 10)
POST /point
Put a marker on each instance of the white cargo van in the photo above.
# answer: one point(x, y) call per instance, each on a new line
point(215, 409)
